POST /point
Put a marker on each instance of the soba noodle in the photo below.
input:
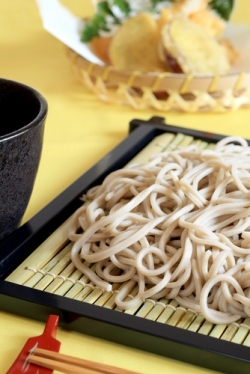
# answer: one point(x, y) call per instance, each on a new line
point(177, 227)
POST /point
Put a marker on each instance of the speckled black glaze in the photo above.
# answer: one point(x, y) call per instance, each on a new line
point(23, 112)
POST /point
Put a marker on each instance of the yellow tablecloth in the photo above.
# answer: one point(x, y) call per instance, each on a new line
point(80, 130)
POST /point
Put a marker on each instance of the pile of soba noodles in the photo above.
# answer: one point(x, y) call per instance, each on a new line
point(177, 227)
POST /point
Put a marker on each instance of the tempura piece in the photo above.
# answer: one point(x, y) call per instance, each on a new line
point(188, 48)
point(100, 47)
point(231, 52)
point(209, 21)
point(196, 10)
point(135, 45)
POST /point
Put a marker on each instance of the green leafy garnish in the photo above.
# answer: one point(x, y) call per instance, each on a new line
point(155, 2)
point(103, 8)
point(222, 7)
point(93, 28)
point(99, 23)
point(122, 5)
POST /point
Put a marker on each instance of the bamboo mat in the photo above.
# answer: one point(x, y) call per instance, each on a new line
point(50, 269)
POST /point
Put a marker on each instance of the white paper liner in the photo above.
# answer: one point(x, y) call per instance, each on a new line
point(66, 27)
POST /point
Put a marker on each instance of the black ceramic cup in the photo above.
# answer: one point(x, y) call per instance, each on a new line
point(23, 112)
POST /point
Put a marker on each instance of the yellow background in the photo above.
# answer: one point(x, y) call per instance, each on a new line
point(80, 130)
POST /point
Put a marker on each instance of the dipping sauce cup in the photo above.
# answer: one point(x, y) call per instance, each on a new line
point(23, 113)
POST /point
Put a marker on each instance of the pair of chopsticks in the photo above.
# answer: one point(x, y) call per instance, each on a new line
point(71, 365)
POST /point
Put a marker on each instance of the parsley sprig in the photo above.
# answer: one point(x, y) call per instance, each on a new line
point(122, 5)
point(99, 21)
point(224, 8)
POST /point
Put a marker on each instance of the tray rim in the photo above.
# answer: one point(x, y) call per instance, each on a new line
point(196, 349)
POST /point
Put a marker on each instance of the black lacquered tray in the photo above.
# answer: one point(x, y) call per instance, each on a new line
point(52, 285)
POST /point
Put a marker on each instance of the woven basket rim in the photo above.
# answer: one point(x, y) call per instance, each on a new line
point(159, 81)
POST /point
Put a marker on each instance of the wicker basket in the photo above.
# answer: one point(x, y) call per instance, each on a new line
point(163, 92)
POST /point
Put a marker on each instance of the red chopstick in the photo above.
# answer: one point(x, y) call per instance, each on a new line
point(45, 341)
point(72, 365)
